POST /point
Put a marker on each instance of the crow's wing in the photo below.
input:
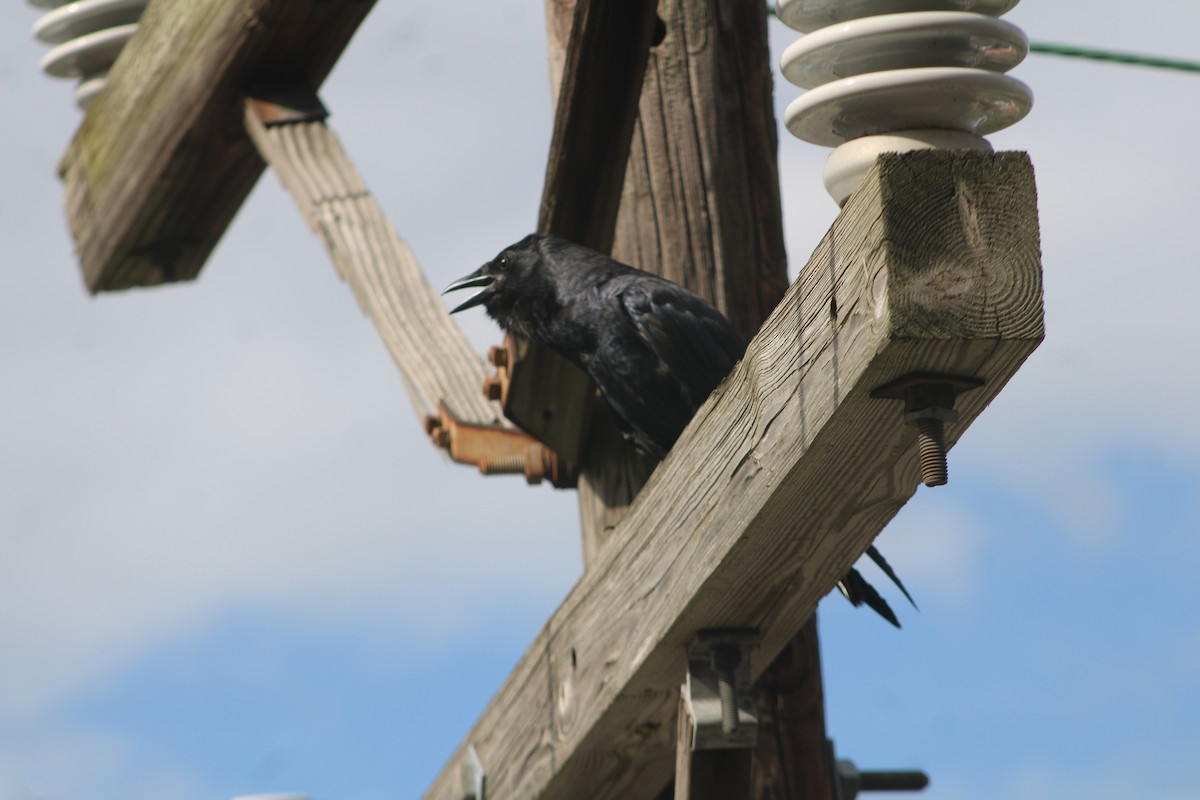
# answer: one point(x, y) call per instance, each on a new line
point(685, 348)
point(694, 342)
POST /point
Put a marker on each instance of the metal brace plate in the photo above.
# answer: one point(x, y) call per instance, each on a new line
point(471, 777)
point(718, 691)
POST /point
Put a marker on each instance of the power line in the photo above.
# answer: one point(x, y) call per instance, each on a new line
point(1096, 54)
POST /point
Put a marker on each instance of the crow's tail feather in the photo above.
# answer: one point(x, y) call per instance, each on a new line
point(856, 589)
point(880, 562)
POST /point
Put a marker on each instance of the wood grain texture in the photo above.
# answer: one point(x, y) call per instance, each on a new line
point(701, 204)
point(162, 162)
point(784, 477)
point(597, 105)
point(560, 15)
point(434, 357)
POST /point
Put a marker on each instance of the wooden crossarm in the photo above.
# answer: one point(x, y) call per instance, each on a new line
point(162, 161)
point(432, 354)
point(783, 479)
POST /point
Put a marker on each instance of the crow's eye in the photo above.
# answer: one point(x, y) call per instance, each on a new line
point(502, 264)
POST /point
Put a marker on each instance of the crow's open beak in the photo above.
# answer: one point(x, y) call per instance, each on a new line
point(476, 278)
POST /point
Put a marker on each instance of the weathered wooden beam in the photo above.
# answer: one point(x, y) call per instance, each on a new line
point(435, 359)
point(597, 105)
point(784, 477)
point(594, 118)
point(162, 162)
point(701, 203)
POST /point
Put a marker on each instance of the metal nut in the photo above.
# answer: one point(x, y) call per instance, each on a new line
point(933, 412)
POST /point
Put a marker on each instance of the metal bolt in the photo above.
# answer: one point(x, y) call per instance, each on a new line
point(502, 465)
point(725, 661)
point(851, 780)
point(931, 442)
point(492, 388)
point(928, 406)
point(441, 437)
point(498, 355)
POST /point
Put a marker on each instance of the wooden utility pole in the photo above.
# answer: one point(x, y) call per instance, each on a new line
point(701, 206)
point(700, 203)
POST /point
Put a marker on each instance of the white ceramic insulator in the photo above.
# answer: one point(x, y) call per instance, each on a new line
point(898, 75)
point(85, 37)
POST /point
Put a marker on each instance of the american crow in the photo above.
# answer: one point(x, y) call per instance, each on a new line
point(655, 350)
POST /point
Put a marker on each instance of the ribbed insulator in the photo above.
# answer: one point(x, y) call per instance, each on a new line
point(898, 75)
point(86, 37)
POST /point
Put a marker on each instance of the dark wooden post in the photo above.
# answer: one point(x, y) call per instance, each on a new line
point(701, 206)
point(791, 760)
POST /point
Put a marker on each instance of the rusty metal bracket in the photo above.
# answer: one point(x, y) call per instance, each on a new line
point(287, 105)
point(718, 694)
point(495, 387)
point(928, 405)
point(498, 451)
point(539, 392)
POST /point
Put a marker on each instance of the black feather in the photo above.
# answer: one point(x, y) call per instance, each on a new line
point(856, 589)
point(882, 563)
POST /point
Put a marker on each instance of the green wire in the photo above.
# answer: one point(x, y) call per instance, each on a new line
point(1096, 54)
point(1071, 51)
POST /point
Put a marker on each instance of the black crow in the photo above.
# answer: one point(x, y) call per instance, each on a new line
point(655, 350)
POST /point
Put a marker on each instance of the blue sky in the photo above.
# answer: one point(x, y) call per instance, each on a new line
point(231, 563)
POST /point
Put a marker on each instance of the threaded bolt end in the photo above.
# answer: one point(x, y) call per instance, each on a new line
point(503, 465)
point(725, 661)
point(931, 443)
point(728, 694)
